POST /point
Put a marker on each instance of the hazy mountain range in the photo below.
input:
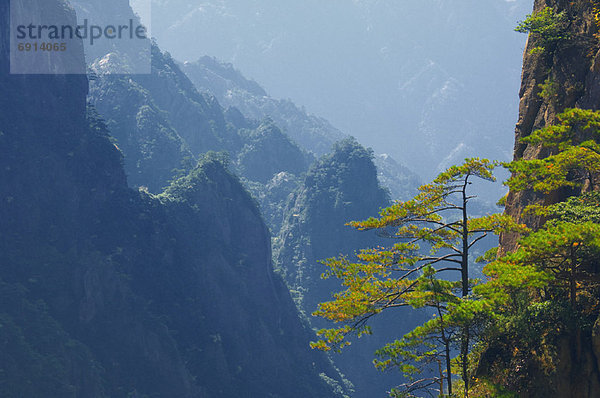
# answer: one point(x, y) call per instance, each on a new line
point(427, 82)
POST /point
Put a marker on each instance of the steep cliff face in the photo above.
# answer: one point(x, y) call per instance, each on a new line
point(235, 322)
point(162, 124)
point(338, 188)
point(110, 292)
point(61, 181)
point(567, 76)
point(573, 71)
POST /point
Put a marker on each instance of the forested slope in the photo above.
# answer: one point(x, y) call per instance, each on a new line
point(111, 292)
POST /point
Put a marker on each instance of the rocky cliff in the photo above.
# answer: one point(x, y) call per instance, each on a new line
point(339, 188)
point(571, 75)
point(565, 75)
point(110, 292)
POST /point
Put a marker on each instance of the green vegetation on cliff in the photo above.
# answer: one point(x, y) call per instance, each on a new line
point(547, 27)
point(107, 291)
point(544, 295)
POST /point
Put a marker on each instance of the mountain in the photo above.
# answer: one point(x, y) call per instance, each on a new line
point(312, 133)
point(340, 187)
point(160, 121)
point(428, 82)
point(113, 292)
point(267, 152)
point(270, 164)
point(162, 124)
point(399, 179)
point(232, 89)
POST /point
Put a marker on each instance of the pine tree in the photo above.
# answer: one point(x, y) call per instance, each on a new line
point(428, 265)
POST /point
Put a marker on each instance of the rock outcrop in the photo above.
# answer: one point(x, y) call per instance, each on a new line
point(339, 188)
point(573, 68)
point(573, 71)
